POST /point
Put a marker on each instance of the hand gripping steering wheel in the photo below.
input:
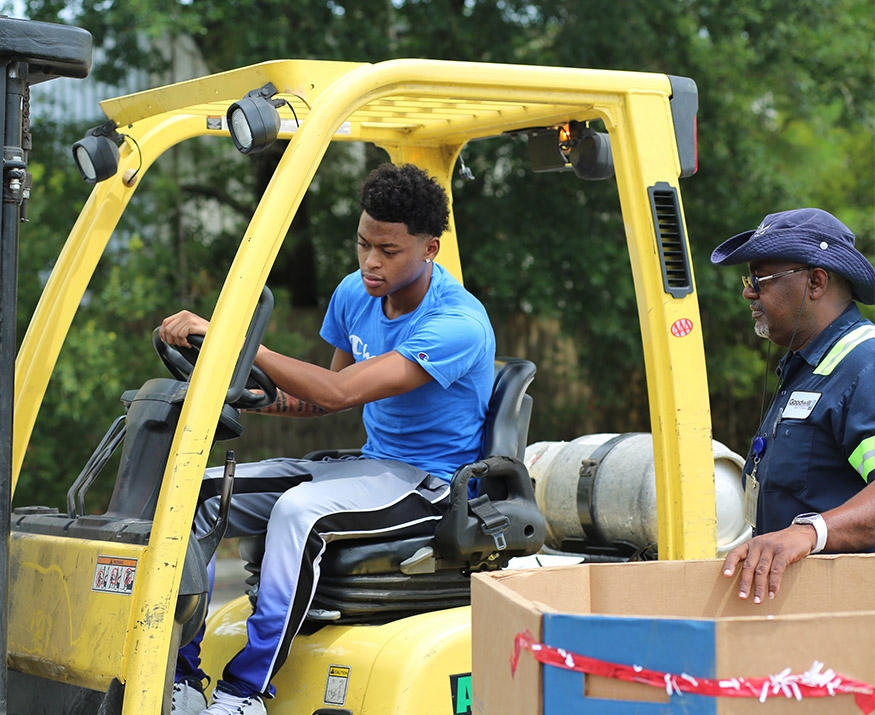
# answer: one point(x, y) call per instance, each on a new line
point(180, 361)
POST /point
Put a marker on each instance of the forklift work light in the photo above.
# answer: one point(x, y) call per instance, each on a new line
point(590, 154)
point(254, 122)
point(572, 146)
point(96, 154)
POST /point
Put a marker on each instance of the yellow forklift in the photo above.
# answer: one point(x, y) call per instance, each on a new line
point(99, 603)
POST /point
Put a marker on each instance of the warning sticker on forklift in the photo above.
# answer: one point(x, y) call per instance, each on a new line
point(336, 684)
point(114, 574)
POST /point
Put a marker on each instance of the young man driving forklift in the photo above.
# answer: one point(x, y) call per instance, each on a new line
point(417, 350)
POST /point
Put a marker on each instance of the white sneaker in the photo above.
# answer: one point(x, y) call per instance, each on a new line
point(187, 699)
point(225, 703)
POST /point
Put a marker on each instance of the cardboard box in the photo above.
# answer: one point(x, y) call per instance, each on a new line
point(677, 617)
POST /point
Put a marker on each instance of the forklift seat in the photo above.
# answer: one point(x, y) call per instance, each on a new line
point(427, 567)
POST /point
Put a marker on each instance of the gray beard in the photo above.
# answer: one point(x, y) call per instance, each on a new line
point(762, 331)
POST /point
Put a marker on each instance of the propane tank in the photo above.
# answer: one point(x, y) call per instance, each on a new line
point(600, 489)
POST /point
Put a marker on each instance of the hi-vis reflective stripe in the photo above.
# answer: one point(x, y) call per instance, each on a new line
point(863, 457)
point(844, 346)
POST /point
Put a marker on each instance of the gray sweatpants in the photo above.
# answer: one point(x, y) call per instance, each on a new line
point(302, 505)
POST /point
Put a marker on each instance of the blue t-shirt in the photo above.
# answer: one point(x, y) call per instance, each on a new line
point(820, 429)
point(437, 427)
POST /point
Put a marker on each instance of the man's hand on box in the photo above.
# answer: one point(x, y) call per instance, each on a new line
point(764, 559)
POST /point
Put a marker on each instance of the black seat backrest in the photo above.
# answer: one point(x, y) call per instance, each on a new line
point(510, 409)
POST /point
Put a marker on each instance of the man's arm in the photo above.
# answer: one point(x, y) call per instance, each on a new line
point(290, 406)
point(348, 383)
point(287, 405)
point(850, 528)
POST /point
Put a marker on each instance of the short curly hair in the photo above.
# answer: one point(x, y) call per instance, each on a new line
point(406, 194)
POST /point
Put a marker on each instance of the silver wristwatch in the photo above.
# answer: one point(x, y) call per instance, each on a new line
point(816, 520)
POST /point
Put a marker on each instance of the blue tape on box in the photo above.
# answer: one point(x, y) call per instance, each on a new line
point(664, 644)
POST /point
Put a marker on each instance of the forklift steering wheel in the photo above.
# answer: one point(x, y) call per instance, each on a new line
point(180, 361)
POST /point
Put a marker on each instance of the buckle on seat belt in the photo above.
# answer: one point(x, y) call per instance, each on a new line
point(492, 522)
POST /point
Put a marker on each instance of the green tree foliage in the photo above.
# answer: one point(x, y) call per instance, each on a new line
point(787, 107)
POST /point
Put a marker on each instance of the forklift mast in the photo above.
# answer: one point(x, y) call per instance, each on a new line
point(30, 52)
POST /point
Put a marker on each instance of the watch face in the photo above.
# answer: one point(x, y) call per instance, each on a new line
point(815, 520)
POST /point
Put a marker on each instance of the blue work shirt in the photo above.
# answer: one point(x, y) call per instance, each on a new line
point(820, 429)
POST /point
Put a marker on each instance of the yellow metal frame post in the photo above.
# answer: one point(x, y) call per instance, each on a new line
point(677, 383)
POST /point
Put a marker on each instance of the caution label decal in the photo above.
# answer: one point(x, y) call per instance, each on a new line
point(114, 574)
point(336, 684)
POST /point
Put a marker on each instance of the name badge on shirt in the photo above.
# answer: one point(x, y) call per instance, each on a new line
point(800, 405)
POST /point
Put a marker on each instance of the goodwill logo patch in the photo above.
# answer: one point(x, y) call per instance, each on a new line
point(800, 405)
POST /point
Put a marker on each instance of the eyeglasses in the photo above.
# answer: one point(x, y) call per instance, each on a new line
point(754, 282)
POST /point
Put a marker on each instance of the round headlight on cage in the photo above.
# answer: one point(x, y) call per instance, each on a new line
point(254, 123)
point(96, 158)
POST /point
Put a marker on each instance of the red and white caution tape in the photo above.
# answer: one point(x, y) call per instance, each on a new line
point(813, 683)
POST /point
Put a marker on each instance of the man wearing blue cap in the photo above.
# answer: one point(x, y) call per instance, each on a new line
point(810, 471)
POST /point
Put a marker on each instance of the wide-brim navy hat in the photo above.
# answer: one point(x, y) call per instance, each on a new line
point(810, 236)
